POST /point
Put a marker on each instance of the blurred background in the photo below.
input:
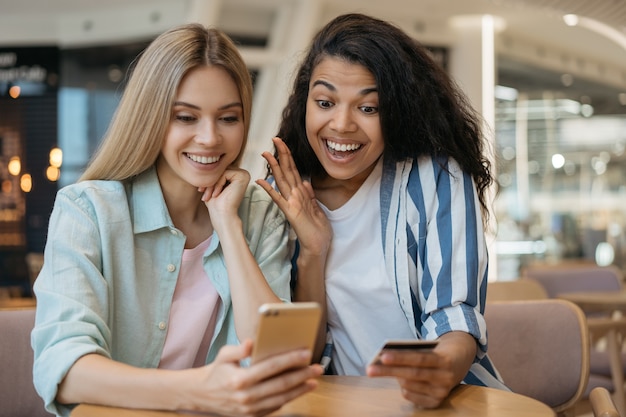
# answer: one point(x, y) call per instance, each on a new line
point(548, 76)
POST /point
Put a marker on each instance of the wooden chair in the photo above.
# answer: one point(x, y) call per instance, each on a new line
point(602, 404)
point(541, 349)
point(604, 361)
point(607, 364)
point(18, 397)
point(519, 289)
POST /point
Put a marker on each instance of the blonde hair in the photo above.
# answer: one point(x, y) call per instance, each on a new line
point(135, 136)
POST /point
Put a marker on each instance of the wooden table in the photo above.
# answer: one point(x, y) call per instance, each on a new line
point(612, 325)
point(598, 301)
point(343, 396)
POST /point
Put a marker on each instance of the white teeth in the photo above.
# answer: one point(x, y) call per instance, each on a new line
point(203, 159)
point(342, 147)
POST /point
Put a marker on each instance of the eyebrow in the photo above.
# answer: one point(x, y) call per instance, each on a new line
point(331, 87)
point(193, 106)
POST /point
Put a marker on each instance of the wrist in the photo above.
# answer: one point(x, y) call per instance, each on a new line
point(314, 248)
point(307, 256)
point(226, 225)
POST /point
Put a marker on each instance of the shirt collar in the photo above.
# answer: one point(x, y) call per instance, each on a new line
point(148, 205)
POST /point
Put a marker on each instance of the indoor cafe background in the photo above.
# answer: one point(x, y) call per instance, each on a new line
point(548, 76)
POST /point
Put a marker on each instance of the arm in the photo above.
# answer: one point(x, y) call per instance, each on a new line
point(249, 287)
point(310, 287)
point(221, 387)
point(296, 199)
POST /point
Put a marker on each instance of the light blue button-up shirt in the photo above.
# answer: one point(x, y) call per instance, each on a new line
point(111, 265)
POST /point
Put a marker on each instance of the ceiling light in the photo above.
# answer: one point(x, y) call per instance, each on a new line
point(558, 160)
point(596, 26)
point(570, 19)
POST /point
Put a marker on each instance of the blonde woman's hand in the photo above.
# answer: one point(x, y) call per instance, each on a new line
point(231, 390)
point(224, 197)
point(296, 198)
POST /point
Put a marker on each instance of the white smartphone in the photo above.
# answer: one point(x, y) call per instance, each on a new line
point(285, 326)
point(411, 344)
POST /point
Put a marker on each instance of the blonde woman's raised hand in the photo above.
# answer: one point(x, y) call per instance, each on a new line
point(296, 198)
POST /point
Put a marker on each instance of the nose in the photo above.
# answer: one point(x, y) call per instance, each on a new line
point(342, 120)
point(207, 134)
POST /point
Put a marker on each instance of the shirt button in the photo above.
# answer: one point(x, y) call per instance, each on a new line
point(171, 268)
point(162, 325)
point(174, 232)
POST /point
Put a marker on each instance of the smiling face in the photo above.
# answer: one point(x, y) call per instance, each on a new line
point(342, 120)
point(206, 129)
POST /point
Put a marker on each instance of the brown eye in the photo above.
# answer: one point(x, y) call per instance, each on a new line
point(369, 109)
point(324, 104)
point(185, 118)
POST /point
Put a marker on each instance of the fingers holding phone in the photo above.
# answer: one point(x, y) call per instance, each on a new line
point(255, 390)
point(281, 355)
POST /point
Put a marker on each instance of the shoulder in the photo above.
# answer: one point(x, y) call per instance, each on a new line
point(258, 207)
point(92, 188)
point(93, 195)
point(430, 168)
point(257, 201)
point(433, 177)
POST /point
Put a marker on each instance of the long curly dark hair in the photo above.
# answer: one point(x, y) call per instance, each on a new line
point(422, 111)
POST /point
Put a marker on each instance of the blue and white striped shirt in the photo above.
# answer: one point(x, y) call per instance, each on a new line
point(434, 247)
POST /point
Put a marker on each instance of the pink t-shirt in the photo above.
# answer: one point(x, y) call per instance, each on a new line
point(193, 314)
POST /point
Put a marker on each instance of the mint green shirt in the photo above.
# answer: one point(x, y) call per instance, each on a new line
point(110, 269)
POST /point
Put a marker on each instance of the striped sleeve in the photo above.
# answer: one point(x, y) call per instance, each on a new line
point(448, 253)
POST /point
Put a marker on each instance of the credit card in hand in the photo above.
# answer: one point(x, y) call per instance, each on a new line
point(411, 344)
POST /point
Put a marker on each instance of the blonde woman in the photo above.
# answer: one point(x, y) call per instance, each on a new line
point(159, 257)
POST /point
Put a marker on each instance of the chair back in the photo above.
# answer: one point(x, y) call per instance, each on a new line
point(18, 397)
point(519, 289)
point(540, 348)
point(559, 279)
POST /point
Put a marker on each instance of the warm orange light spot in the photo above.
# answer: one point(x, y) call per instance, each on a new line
point(26, 183)
point(56, 157)
point(15, 91)
point(7, 186)
point(15, 166)
point(53, 173)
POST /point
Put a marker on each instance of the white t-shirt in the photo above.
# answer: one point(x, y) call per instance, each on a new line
point(363, 309)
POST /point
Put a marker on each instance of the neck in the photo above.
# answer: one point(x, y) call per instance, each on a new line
point(189, 214)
